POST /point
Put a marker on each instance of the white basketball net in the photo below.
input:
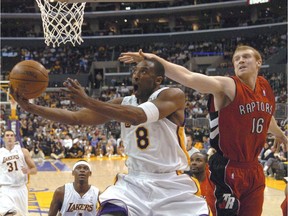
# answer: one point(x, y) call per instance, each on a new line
point(62, 22)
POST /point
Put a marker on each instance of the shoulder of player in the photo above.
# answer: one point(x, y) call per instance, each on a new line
point(95, 189)
point(262, 79)
point(225, 80)
point(25, 151)
point(59, 192)
point(226, 86)
point(172, 93)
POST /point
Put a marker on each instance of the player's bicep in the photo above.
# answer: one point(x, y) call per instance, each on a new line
point(210, 84)
point(169, 101)
point(91, 117)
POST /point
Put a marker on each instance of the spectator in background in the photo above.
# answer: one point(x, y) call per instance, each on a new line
point(95, 139)
point(121, 149)
point(266, 153)
point(101, 145)
point(27, 143)
point(89, 150)
point(269, 154)
point(58, 151)
point(198, 145)
point(67, 142)
point(276, 162)
point(210, 152)
point(113, 142)
point(189, 145)
point(36, 153)
point(23, 127)
point(109, 149)
point(99, 150)
point(98, 80)
point(75, 151)
point(206, 144)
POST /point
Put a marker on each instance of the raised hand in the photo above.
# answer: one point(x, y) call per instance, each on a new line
point(76, 92)
point(134, 57)
point(19, 98)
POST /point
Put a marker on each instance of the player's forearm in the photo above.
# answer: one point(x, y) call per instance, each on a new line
point(121, 113)
point(54, 114)
point(276, 130)
point(174, 71)
point(32, 171)
point(197, 81)
point(53, 210)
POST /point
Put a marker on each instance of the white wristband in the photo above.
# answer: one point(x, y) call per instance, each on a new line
point(151, 111)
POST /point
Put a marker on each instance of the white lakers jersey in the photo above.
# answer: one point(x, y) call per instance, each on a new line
point(157, 147)
point(76, 205)
point(11, 165)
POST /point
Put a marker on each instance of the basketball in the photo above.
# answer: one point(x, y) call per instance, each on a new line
point(30, 78)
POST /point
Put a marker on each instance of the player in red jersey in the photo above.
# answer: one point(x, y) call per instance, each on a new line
point(241, 114)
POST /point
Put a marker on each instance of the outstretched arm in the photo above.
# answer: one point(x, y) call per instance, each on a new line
point(200, 82)
point(83, 116)
point(125, 113)
point(122, 113)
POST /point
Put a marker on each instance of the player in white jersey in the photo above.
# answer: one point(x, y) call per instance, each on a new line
point(16, 164)
point(77, 198)
point(153, 133)
point(149, 144)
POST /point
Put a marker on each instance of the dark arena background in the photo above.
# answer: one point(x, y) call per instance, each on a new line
point(198, 34)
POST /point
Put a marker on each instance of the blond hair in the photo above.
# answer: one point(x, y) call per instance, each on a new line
point(257, 55)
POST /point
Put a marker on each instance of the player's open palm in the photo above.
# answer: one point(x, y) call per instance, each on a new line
point(76, 92)
point(134, 57)
point(19, 98)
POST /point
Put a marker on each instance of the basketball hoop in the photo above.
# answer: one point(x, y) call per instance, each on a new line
point(62, 21)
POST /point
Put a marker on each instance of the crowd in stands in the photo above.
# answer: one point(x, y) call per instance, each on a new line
point(274, 158)
point(78, 60)
point(29, 6)
point(205, 20)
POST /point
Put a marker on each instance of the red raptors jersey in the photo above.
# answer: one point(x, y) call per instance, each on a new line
point(239, 130)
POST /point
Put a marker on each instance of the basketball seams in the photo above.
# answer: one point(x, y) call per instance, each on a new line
point(29, 77)
point(43, 77)
point(36, 81)
point(36, 66)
